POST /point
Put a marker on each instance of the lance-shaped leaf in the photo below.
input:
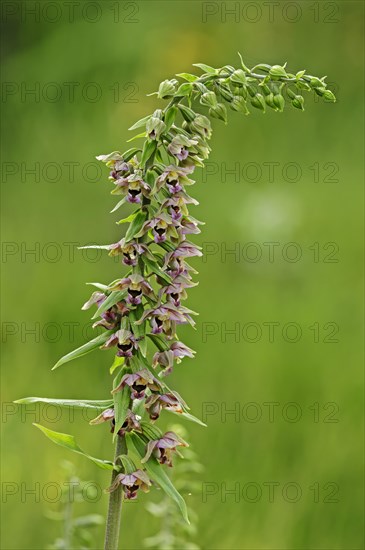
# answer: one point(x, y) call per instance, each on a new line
point(128, 219)
point(68, 442)
point(148, 150)
point(136, 225)
point(72, 403)
point(188, 416)
point(97, 246)
point(112, 299)
point(139, 331)
point(157, 473)
point(205, 68)
point(83, 350)
point(100, 286)
point(155, 268)
point(140, 122)
point(118, 205)
point(121, 403)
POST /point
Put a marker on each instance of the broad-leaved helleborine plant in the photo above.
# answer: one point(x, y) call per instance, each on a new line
point(144, 307)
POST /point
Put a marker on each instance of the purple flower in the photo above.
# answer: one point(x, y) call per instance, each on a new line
point(165, 317)
point(96, 298)
point(130, 251)
point(138, 382)
point(166, 358)
point(131, 483)
point(183, 250)
point(163, 448)
point(162, 227)
point(174, 177)
point(156, 402)
point(175, 293)
point(136, 287)
point(131, 422)
point(177, 205)
point(125, 342)
point(133, 186)
point(181, 145)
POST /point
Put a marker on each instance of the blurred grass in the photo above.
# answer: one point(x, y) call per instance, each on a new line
point(168, 38)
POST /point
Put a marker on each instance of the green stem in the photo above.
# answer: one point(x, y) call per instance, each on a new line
point(115, 503)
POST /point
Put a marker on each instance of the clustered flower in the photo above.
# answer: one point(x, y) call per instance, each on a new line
point(147, 301)
point(149, 297)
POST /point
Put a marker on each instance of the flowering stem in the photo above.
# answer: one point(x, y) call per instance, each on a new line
point(115, 503)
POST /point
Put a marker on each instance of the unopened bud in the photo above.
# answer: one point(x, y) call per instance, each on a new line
point(238, 77)
point(219, 111)
point(298, 102)
point(330, 96)
point(279, 102)
point(166, 89)
point(188, 114)
point(259, 102)
point(278, 71)
point(209, 99)
point(239, 104)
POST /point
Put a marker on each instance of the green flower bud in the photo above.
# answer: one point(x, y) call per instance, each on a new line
point(291, 93)
point(330, 96)
point(219, 112)
point(238, 77)
point(239, 104)
point(166, 89)
point(251, 90)
point(259, 102)
point(303, 85)
point(225, 92)
point(278, 71)
point(155, 127)
point(298, 102)
point(209, 99)
point(320, 91)
point(201, 124)
point(265, 88)
point(279, 102)
point(269, 98)
point(243, 92)
point(315, 82)
point(188, 114)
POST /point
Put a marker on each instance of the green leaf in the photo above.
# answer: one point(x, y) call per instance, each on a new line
point(121, 404)
point(184, 89)
point(113, 298)
point(73, 403)
point(136, 225)
point(187, 76)
point(69, 442)
point(158, 474)
point(127, 155)
point(140, 122)
point(170, 117)
point(189, 416)
point(83, 350)
point(155, 268)
point(98, 246)
point(118, 205)
point(118, 362)
point(137, 136)
point(100, 286)
point(129, 219)
point(148, 150)
point(139, 330)
point(205, 68)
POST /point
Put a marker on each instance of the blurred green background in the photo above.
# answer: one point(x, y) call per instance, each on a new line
point(126, 49)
